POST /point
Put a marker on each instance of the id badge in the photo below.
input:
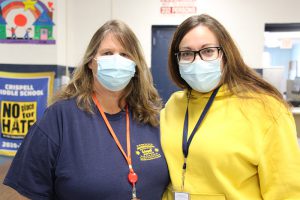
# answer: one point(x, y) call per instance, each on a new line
point(181, 196)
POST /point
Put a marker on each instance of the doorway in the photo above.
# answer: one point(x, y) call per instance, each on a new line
point(161, 40)
point(44, 34)
point(281, 58)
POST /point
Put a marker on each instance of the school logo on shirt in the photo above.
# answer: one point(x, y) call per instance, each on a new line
point(147, 152)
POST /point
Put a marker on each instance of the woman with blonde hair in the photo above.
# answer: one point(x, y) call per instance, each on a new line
point(99, 138)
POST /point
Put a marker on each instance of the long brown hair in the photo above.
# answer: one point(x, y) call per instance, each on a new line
point(238, 76)
point(140, 94)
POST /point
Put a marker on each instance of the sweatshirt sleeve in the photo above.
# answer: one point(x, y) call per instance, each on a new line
point(279, 167)
point(32, 170)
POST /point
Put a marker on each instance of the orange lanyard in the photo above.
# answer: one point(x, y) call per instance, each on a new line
point(132, 176)
point(128, 155)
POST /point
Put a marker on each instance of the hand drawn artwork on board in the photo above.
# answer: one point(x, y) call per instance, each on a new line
point(26, 21)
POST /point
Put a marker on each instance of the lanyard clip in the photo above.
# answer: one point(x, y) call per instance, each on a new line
point(184, 164)
point(183, 174)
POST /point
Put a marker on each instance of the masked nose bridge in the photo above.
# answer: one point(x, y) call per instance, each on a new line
point(197, 56)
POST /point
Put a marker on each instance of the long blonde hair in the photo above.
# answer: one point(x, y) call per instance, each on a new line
point(239, 77)
point(140, 94)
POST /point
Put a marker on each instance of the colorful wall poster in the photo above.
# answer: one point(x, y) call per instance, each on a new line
point(26, 21)
point(23, 99)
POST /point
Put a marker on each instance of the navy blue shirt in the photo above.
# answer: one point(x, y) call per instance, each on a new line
point(70, 154)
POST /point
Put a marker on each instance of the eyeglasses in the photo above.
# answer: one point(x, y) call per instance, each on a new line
point(206, 54)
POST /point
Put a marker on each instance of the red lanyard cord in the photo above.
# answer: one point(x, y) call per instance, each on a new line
point(128, 155)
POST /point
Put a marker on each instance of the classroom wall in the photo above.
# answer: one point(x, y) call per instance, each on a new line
point(296, 52)
point(245, 20)
point(83, 19)
point(35, 54)
point(76, 21)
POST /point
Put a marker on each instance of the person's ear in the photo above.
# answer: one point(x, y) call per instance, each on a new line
point(92, 64)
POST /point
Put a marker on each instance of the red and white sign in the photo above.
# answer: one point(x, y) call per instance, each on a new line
point(170, 7)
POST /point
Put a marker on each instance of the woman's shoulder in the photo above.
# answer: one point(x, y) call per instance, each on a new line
point(57, 116)
point(58, 112)
point(177, 97)
point(268, 105)
point(177, 101)
point(269, 100)
point(62, 104)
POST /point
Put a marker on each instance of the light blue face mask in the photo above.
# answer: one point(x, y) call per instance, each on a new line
point(202, 76)
point(115, 71)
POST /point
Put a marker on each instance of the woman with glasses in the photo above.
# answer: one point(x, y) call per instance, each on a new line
point(229, 134)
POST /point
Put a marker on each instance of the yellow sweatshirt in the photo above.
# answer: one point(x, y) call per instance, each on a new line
point(245, 149)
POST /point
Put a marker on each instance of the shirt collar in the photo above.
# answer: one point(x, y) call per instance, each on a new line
point(223, 91)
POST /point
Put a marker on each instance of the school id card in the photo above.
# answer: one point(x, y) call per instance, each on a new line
point(181, 196)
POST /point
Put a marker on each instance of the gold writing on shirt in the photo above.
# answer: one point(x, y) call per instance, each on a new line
point(147, 151)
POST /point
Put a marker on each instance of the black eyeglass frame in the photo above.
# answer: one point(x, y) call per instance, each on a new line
point(198, 52)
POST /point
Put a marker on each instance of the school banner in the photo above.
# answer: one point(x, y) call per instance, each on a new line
point(23, 99)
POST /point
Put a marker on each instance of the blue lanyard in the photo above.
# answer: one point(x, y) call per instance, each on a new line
point(187, 142)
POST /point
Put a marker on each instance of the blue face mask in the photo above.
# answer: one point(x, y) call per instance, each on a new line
point(202, 76)
point(115, 71)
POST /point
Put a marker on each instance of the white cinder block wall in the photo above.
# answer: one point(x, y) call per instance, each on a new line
point(77, 20)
